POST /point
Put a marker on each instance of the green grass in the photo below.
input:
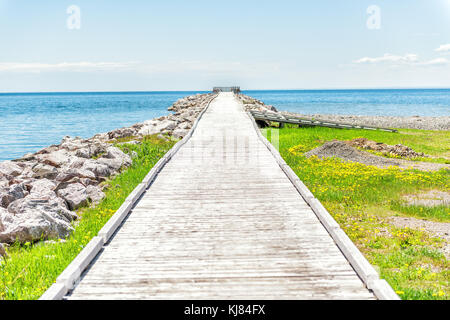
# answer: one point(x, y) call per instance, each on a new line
point(32, 268)
point(435, 143)
point(436, 213)
point(361, 198)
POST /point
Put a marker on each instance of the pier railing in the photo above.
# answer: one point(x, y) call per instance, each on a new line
point(227, 89)
point(304, 122)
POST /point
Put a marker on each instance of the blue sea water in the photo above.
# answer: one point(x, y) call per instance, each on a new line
point(370, 102)
point(32, 121)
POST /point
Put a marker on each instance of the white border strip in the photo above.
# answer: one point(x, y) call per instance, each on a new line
point(70, 277)
point(363, 268)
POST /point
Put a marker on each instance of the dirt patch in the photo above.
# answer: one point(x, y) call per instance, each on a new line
point(343, 150)
point(386, 149)
point(430, 199)
point(440, 229)
point(423, 166)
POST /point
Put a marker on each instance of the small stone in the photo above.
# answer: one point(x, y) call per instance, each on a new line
point(180, 133)
point(162, 137)
point(2, 250)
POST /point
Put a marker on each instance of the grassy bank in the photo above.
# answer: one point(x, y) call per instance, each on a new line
point(32, 268)
point(361, 198)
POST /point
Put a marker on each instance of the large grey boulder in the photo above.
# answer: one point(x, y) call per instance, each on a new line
point(42, 189)
point(10, 169)
point(184, 126)
point(71, 173)
point(99, 169)
point(121, 133)
point(155, 127)
point(180, 133)
point(49, 204)
point(42, 170)
point(75, 195)
point(95, 194)
point(77, 163)
point(4, 184)
point(84, 153)
point(31, 225)
point(14, 192)
point(49, 149)
point(88, 182)
point(113, 164)
point(72, 144)
point(115, 159)
point(27, 172)
point(91, 150)
point(101, 136)
point(56, 159)
point(39, 215)
point(116, 153)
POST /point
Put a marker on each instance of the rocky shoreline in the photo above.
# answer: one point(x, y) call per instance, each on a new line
point(40, 192)
point(412, 122)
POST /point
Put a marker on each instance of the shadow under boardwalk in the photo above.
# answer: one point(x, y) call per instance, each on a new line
point(221, 221)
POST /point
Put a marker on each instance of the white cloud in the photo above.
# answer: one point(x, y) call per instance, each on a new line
point(174, 67)
point(443, 48)
point(64, 66)
point(407, 58)
point(435, 62)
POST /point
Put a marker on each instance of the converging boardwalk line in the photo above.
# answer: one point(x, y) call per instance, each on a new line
point(222, 221)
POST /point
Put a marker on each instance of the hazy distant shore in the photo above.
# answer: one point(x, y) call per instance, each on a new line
point(411, 122)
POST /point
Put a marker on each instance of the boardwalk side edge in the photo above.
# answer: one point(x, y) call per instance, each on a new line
point(69, 278)
point(381, 289)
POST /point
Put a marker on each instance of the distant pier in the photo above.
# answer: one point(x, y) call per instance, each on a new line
point(227, 89)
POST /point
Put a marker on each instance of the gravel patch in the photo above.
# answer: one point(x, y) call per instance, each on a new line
point(412, 122)
point(423, 166)
point(429, 199)
point(439, 229)
point(342, 150)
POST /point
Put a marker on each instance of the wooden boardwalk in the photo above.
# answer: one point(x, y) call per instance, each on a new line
point(221, 221)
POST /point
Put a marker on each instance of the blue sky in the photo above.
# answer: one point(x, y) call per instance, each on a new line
point(194, 45)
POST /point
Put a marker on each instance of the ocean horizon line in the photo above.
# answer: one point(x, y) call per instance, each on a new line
point(203, 90)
